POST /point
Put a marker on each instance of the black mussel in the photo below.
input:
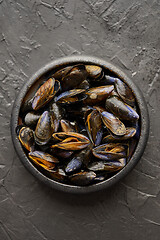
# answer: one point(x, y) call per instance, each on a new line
point(94, 72)
point(94, 127)
point(70, 141)
point(72, 96)
point(74, 165)
point(121, 109)
point(61, 153)
point(97, 94)
point(84, 85)
point(59, 112)
point(83, 178)
point(109, 80)
point(44, 130)
point(43, 159)
point(45, 93)
point(76, 75)
point(80, 159)
point(111, 151)
point(58, 175)
point(62, 72)
point(26, 106)
point(31, 119)
point(109, 166)
point(130, 132)
point(124, 92)
point(112, 123)
point(54, 122)
point(68, 126)
point(26, 137)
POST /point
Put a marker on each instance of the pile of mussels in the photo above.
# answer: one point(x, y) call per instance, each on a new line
point(81, 126)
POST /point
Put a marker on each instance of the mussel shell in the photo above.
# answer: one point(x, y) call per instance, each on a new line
point(43, 160)
point(68, 126)
point(31, 118)
point(26, 137)
point(72, 96)
point(58, 175)
point(59, 112)
point(124, 92)
point(73, 165)
point(130, 132)
point(97, 94)
point(63, 154)
point(44, 129)
point(74, 77)
point(121, 109)
point(109, 152)
point(84, 85)
point(94, 72)
point(45, 93)
point(112, 123)
point(62, 72)
point(94, 127)
point(109, 166)
point(82, 178)
point(64, 135)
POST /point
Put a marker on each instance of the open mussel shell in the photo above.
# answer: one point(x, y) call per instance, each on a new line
point(43, 160)
point(72, 96)
point(31, 118)
point(44, 130)
point(83, 178)
point(45, 93)
point(97, 94)
point(26, 137)
point(120, 109)
point(60, 153)
point(94, 127)
point(109, 152)
point(62, 72)
point(76, 75)
point(112, 122)
point(124, 92)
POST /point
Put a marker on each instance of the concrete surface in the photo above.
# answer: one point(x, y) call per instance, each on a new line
point(124, 32)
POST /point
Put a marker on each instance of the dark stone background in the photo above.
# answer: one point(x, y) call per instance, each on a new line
point(124, 32)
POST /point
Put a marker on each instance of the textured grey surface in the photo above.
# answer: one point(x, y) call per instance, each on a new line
point(124, 32)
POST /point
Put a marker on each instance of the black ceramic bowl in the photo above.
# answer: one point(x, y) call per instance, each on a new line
point(36, 79)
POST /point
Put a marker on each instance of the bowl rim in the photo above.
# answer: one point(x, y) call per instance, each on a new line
point(144, 124)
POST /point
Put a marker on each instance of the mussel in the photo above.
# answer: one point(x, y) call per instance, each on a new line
point(45, 93)
point(130, 132)
point(121, 109)
point(83, 178)
point(68, 126)
point(108, 166)
point(44, 129)
point(94, 72)
point(124, 92)
point(31, 118)
point(43, 160)
point(72, 78)
point(111, 151)
point(97, 94)
point(94, 127)
point(26, 137)
point(70, 141)
point(72, 96)
point(112, 123)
